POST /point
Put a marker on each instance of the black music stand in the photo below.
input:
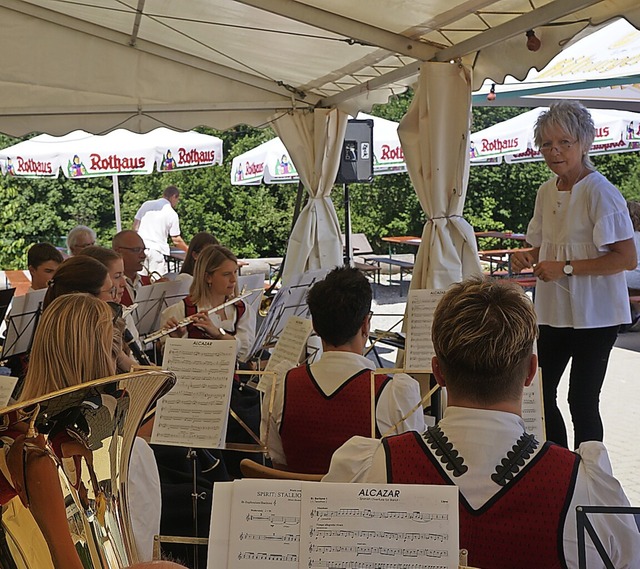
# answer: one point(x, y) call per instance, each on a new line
point(289, 301)
point(584, 524)
point(153, 299)
point(5, 300)
point(21, 323)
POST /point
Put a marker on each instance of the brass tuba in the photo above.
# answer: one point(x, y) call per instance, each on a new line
point(64, 464)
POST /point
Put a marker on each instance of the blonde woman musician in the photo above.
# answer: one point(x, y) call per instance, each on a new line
point(86, 325)
point(215, 281)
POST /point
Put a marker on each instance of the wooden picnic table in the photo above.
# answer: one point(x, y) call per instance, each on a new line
point(500, 260)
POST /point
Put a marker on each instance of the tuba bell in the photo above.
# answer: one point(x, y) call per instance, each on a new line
point(64, 463)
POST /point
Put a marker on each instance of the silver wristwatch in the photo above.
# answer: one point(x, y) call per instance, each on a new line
point(568, 268)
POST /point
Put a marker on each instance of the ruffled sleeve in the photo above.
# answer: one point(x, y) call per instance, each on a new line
point(611, 221)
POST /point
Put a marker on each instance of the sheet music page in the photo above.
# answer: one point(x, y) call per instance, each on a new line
point(7, 384)
point(359, 526)
point(292, 341)
point(218, 546)
point(533, 409)
point(195, 412)
point(265, 524)
point(421, 305)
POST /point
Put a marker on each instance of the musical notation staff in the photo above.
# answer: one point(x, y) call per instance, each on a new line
point(379, 550)
point(367, 513)
point(373, 565)
point(377, 534)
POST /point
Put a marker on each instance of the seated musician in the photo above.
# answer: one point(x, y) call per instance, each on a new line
point(42, 261)
point(215, 281)
point(73, 344)
point(318, 407)
point(131, 246)
point(115, 265)
point(517, 497)
point(82, 273)
point(198, 242)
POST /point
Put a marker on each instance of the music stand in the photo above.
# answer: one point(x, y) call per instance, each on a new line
point(153, 299)
point(584, 524)
point(5, 300)
point(21, 323)
point(290, 300)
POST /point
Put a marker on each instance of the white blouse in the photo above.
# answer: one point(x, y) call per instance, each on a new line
point(575, 225)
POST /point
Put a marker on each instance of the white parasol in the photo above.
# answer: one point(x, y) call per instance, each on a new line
point(512, 140)
point(80, 154)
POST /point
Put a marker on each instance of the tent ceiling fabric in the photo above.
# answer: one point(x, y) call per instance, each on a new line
point(140, 64)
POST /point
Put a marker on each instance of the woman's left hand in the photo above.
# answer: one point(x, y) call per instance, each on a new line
point(548, 271)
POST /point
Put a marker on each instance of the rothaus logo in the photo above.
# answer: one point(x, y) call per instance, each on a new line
point(253, 168)
point(31, 166)
point(389, 153)
point(194, 156)
point(113, 162)
point(498, 144)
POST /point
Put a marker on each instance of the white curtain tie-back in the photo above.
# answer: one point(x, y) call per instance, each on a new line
point(444, 217)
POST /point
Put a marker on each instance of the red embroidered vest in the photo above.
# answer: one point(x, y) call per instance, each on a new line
point(126, 299)
point(520, 526)
point(190, 309)
point(314, 425)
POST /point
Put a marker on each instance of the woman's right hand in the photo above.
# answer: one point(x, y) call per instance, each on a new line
point(179, 333)
point(522, 260)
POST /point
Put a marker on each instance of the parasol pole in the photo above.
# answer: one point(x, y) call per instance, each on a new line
point(116, 202)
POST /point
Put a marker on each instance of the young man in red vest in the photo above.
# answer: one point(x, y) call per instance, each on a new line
point(320, 406)
point(517, 497)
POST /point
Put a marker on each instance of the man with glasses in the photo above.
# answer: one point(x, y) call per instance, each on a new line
point(130, 245)
point(156, 221)
point(318, 407)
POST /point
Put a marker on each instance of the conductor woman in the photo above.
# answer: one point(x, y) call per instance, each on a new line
point(582, 241)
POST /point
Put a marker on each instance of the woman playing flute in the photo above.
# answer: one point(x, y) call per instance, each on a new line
point(215, 282)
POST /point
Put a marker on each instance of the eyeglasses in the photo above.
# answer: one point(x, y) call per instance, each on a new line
point(135, 249)
point(547, 147)
point(113, 291)
point(84, 245)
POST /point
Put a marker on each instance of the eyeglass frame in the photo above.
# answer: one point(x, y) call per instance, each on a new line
point(562, 146)
point(113, 291)
point(134, 249)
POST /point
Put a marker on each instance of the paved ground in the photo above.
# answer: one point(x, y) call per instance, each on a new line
point(620, 401)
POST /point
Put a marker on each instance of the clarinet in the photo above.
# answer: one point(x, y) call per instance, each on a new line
point(119, 312)
point(137, 352)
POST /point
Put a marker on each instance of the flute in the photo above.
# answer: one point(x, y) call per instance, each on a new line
point(189, 319)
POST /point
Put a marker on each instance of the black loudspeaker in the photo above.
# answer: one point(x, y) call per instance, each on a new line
point(356, 160)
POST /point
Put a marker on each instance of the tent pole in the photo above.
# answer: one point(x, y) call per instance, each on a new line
point(116, 202)
point(348, 253)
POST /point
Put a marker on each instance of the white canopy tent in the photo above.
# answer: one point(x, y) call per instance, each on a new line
point(223, 62)
point(512, 140)
point(80, 154)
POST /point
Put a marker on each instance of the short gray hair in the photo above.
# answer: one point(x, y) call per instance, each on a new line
point(571, 117)
point(76, 232)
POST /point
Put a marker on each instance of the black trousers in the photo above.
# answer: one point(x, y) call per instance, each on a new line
point(589, 351)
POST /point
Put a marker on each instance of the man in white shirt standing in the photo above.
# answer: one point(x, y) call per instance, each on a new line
point(155, 222)
point(518, 497)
